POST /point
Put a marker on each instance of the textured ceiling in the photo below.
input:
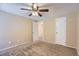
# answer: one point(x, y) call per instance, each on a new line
point(55, 9)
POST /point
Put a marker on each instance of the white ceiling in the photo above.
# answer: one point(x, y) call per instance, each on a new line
point(55, 9)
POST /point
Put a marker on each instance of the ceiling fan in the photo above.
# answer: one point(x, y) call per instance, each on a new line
point(35, 11)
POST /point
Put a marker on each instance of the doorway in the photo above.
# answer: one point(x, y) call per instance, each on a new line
point(61, 31)
point(35, 31)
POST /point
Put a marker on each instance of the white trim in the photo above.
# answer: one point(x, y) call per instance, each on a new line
point(4, 49)
point(77, 50)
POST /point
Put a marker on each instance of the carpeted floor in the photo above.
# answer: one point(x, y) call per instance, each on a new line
point(40, 48)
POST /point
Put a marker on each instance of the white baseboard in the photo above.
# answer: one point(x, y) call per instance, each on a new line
point(4, 49)
point(78, 50)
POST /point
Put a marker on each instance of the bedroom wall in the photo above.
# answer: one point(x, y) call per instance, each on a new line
point(78, 31)
point(14, 30)
point(71, 32)
point(49, 27)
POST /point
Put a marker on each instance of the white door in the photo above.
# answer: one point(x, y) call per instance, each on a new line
point(35, 31)
point(61, 31)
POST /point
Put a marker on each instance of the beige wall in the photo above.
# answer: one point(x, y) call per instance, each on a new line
point(14, 30)
point(49, 30)
point(71, 30)
point(78, 30)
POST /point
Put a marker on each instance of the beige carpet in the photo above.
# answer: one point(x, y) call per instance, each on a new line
point(41, 49)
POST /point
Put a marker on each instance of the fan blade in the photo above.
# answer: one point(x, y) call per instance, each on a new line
point(39, 14)
point(30, 14)
point(25, 9)
point(44, 10)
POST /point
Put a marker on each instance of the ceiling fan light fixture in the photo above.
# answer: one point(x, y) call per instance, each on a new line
point(35, 13)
